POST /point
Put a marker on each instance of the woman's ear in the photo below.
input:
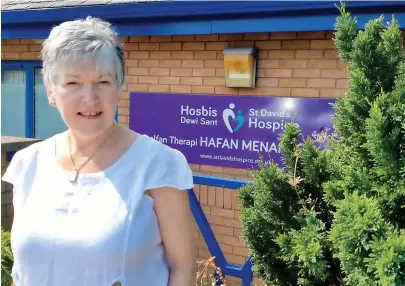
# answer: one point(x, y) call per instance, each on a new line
point(50, 95)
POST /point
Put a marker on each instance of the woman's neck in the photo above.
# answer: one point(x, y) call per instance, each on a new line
point(84, 145)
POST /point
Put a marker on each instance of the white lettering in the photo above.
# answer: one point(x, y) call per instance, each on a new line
point(219, 143)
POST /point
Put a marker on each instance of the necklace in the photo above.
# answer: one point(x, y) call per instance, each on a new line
point(73, 176)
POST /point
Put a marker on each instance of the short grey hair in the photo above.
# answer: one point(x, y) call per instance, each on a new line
point(78, 42)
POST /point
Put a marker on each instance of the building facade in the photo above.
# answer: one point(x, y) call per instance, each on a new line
point(177, 47)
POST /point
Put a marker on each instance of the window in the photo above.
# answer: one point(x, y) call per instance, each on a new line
point(25, 111)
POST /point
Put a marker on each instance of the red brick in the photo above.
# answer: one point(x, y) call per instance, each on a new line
point(213, 219)
point(159, 71)
point(138, 71)
point(278, 72)
point(234, 241)
point(333, 73)
point(265, 82)
point(206, 38)
point(322, 63)
point(138, 87)
point(295, 44)
point(194, 46)
point(139, 38)
point(203, 72)
point(148, 63)
point(170, 63)
point(169, 46)
point(341, 83)
point(234, 171)
point(305, 92)
point(330, 34)
point(217, 169)
point(213, 81)
point(205, 55)
point(159, 88)
point(292, 82)
point(27, 55)
point(181, 71)
point(308, 54)
point(191, 80)
point(276, 45)
point(131, 63)
point(332, 93)
point(297, 64)
point(322, 44)
point(183, 38)
point(14, 48)
point(31, 41)
point(204, 196)
point(211, 196)
point(219, 197)
point(169, 80)
point(148, 79)
point(225, 90)
point(241, 44)
point(281, 54)
point(203, 89)
point(256, 36)
point(180, 88)
point(216, 46)
point(219, 72)
point(321, 83)
point(227, 199)
point(252, 91)
point(231, 37)
point(226, 248)
point(139, 54)
point(182, 55)
point(307, 73)
point(277, 91)
point(242, 251)
point(131, 46)
point(269, 64)
point(213, 63)
point(34, 48)
point(311, 35)
point(220, 55)
point(123, 110)
point(283, 36)
point(148, 46)
point(263, 54)
point(331, 54)
point(160, 38)
point(231, 222)
point(223, 230)
point(131, 79)
point(192, 63)
point(159, 55)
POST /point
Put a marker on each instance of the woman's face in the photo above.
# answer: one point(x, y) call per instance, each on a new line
point(87, 98)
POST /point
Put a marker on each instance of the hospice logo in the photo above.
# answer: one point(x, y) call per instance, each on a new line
point(229, 115)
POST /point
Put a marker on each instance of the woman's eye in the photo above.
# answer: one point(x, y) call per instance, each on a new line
point(71, 83)
point(104, 82)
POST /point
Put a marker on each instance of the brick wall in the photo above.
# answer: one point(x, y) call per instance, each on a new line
point(303, 64)
point(7, 210)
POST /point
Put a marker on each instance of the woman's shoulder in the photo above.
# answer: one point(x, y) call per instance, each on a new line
point(158, 151)
point(166, 166)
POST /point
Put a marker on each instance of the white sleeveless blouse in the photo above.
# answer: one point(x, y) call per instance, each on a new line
point(98, 231)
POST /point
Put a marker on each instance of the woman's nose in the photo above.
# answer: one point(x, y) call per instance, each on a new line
point(89, 93)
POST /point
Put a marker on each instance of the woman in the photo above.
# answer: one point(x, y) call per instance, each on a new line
point(98, 204)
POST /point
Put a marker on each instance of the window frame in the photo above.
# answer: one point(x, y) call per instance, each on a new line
point(29, 67)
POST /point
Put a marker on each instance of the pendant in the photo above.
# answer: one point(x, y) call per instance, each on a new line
point(72, 176)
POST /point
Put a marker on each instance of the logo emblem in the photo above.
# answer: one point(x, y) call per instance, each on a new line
point(229, 113)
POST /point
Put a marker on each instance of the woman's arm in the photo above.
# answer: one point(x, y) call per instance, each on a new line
point(176, 227)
